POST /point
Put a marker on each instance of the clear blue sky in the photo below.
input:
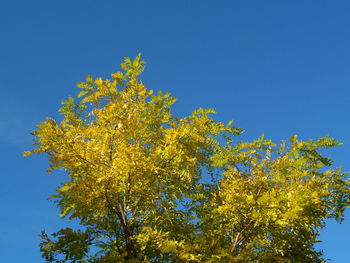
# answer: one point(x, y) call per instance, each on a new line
point(275, 67)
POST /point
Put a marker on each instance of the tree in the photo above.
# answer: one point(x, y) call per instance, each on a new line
point(147, 186)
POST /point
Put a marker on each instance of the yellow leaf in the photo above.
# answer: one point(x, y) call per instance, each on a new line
point(26, 153)
point(99, 81)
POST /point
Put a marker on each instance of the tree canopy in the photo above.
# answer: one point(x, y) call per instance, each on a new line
point(147, 186)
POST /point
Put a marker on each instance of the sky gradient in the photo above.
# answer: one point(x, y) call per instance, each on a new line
point(275, 67)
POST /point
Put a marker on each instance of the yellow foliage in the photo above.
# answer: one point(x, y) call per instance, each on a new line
point(150, 187)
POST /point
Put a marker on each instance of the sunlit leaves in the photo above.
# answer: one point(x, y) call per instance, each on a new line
point(147, 186)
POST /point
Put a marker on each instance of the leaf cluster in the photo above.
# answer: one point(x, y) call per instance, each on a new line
point(147, 186)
